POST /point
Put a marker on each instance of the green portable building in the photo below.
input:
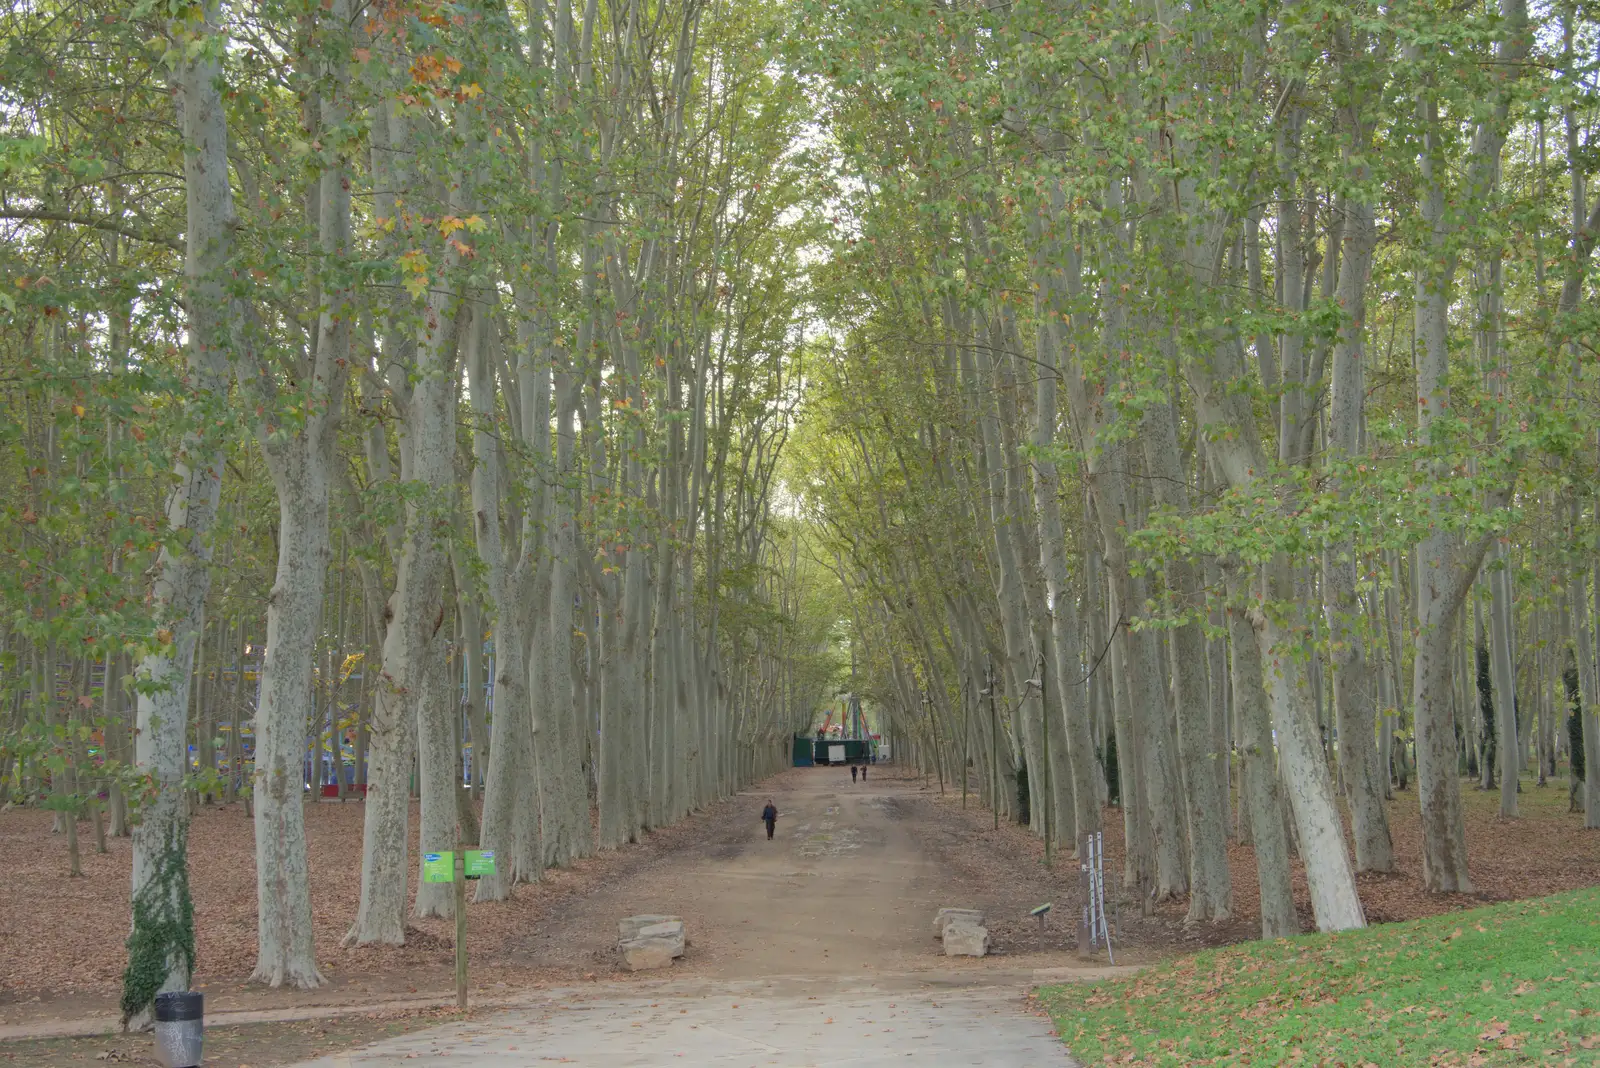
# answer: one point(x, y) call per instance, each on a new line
point(841, 750)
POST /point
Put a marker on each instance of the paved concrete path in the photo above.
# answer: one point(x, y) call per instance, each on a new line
point(991, 1027)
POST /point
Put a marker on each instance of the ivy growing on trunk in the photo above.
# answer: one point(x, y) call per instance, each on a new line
point(163, 927)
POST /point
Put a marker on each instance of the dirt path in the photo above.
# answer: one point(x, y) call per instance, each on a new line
point(849, 886)
point(843, 888)
point(812, 949)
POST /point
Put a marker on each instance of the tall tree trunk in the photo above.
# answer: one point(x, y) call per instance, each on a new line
point(416, 607)
point(1009, 594)
point(470, 617)
point(1068, 691)
point(1261, 798)
point(1353, 671)
point(1501, 635)
point(161, 945)
point(1444, 846)
point(1138, 862)
point(1282, 635)
point(1206, 802)
point(1583, 639)
point(1442, 585)
point(285, 951)
point(301, 460)
point(509, 765)
point(1311, 796)
point(439, 774)
point(1445, 569)
point(1219, 697)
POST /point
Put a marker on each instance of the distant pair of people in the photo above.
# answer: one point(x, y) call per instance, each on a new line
point(862, 769)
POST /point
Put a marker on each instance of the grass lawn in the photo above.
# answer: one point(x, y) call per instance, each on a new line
point(1517, 983)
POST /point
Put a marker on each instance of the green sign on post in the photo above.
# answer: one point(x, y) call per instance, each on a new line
point(438, 867)
point(480, 862)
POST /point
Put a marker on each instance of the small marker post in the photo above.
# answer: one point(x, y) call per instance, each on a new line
point(453, 868)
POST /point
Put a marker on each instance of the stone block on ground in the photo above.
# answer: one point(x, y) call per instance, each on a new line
point(975, 917)
point(966, 940)
point(650, 941)
point(632, 925)
point(670, 930)
point(644, 954)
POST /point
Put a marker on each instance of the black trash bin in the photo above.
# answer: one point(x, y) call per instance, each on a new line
point(180, 1028)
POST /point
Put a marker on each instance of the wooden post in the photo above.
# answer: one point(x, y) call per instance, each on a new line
point(461, 923)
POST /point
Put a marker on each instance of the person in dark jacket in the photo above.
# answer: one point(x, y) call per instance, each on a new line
point(769, 816)
point(852, 773)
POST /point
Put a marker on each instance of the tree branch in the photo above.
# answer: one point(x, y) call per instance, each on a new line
point(108, 225)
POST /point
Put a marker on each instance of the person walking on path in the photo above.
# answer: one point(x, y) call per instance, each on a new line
point(863, 773)
point(852, 773)
point(769, 816)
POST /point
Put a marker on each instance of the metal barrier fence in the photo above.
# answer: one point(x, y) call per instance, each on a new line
point(1092, 925)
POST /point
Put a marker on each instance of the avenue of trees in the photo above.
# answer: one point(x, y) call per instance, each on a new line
point(1217, 378)
point(365, 364)
point(515, 405)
